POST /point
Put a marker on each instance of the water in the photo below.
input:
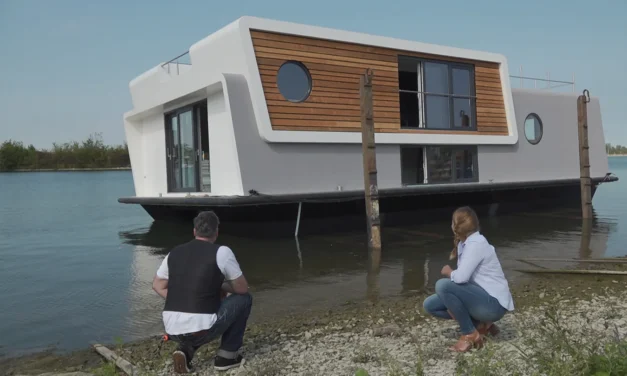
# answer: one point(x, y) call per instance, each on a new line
point(76, 267)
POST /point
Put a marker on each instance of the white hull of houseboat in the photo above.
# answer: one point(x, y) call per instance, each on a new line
point(231, 157)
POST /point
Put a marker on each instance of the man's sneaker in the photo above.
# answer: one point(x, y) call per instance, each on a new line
point(180, 362)
point(223, 364)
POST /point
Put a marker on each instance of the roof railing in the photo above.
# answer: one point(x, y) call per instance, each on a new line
point(544, 83)
point(176, 61)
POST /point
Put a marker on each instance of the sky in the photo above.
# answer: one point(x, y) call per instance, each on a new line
point(67, 63)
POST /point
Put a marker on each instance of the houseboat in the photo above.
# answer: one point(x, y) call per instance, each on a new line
point(262, 123)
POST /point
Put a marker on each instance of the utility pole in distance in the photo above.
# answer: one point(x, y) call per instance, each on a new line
point(584, 155)
point(371, 188)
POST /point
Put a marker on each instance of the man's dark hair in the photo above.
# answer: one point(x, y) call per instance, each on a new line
point(206, 224)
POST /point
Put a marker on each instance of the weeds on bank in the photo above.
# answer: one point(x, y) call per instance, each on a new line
point(611, 361)
point(486, 363)
point(118, 343)
point(419, 367)
point(551, 349)
point(107, 369)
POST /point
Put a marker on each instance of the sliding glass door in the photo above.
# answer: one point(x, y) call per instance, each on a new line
point(182, 148)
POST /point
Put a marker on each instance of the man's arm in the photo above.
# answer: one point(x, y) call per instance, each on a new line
point(237, 286)
point(160, 282)
point(234, 280)
point(160, 286)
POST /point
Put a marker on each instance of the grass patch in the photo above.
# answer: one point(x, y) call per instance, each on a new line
point(486, 362)
point(107, 369)
point(551, 348)
point(419, 367)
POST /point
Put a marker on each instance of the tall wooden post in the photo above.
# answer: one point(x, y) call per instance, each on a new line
point(584, 155)
point(371, 188)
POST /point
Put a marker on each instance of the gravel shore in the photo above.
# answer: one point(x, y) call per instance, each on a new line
point(395, 348)
point(397, 338)
point(394, 336)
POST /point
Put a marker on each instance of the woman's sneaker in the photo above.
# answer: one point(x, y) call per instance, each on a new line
point(223, 364)
point(180, 362)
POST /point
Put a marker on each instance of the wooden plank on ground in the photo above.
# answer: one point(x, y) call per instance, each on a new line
point(120, 362)
point(573, 271)
point(591, 261)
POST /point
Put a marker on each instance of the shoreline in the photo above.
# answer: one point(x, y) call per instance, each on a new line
point(70, 169)
point(129, 168)
point(343, 337)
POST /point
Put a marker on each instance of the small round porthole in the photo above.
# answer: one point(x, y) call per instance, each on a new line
point(294, 81)
point(533, 129)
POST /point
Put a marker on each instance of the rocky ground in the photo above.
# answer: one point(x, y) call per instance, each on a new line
point(395, 337)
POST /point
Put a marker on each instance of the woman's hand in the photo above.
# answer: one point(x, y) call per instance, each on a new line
point(446, 271)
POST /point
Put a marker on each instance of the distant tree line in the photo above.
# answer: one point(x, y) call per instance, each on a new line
point(615, 149)
point(91, 153)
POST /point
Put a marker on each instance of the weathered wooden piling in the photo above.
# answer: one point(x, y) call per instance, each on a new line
point(371, 188)
point(584, 155)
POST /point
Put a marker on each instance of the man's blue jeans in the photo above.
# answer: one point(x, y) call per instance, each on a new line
point(469, 303)
point(230, 324)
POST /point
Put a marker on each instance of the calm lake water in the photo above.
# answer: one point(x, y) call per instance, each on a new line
point(76, 266)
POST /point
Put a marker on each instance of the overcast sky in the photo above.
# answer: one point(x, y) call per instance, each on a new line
point(66, 64)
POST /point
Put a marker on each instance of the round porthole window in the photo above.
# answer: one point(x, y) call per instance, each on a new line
point(533, 129)
point(294, 81)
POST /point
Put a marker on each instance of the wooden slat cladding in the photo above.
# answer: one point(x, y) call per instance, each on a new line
point(335, 69)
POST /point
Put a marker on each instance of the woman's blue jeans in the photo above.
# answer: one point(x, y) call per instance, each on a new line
point(469, 303)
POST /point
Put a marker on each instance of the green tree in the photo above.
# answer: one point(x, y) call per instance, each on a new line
point(615, 149)
point(12, 155)
point(90, 153)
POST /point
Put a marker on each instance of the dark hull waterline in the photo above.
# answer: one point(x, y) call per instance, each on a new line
point(345, 210)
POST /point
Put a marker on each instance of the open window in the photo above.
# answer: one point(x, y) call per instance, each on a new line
point(438, 164)
point(436, 94)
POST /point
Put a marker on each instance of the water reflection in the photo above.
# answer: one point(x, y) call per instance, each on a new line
point(277, 262)
point(105, 256)
point(586, 238)
point(373, 274)
point(296, 275)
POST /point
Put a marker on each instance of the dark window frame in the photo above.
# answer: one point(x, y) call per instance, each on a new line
point(426, 149)
point(454, 149)
point(422, 165)
point(422, 94)
point(475, 164)
point(167, 117)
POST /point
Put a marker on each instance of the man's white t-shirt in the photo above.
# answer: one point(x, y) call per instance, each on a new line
point(183, 322)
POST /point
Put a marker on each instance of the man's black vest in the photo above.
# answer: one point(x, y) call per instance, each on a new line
point(194, 279)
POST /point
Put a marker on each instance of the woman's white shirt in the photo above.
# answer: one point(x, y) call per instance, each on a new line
point(477, 263)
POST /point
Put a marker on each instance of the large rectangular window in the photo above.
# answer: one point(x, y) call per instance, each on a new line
point(436, 94)
point(412, 165)
point(438, 164)
point(187, 149)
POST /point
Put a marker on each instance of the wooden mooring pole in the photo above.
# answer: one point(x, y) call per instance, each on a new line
point(371, 188)
point(584, 155)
